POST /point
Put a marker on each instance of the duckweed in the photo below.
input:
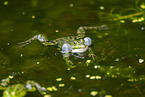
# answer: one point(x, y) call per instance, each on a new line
point(58, 79)
point(94, 93)
point(61, 85)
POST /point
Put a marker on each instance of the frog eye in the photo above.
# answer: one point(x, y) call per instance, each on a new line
point(75, 42)
point(66, 48)
point(87, 41)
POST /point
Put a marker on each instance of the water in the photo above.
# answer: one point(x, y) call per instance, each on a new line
point(118, 67)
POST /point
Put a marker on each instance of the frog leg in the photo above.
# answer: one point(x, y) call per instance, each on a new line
point(91, 53)
point(81, 30)
point(22, 44)
point(39, 37)
point(68, 61)
point(53, 42)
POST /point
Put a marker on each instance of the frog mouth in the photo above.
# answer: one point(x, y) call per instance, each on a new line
point(78, 47)
point(79, 50)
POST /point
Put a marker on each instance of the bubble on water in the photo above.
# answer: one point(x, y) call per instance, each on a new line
point(56, 30)
point(142, 28)
point(141, 60)
point(21, 55)
point(33, 17)
point(8, 43)
point(71, 5)
point(102, 7)
point(38, 62)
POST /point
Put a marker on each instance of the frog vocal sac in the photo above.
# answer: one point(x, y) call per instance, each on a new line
point(69, 45)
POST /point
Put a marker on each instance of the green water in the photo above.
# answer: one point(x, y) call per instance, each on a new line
point(117, 52)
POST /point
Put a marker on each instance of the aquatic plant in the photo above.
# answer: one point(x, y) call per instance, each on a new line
point(135, 14)
point(20, 90)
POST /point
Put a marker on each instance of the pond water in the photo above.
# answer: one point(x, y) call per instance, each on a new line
point(118, 69)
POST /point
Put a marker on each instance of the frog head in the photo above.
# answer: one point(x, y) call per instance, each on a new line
point(78, 47)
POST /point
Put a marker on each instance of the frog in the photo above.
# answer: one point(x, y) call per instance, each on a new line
point(70, 45)
point(20, 90)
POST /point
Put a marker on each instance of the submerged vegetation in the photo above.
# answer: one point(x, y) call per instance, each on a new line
point(136, 14)
point(100, 73)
